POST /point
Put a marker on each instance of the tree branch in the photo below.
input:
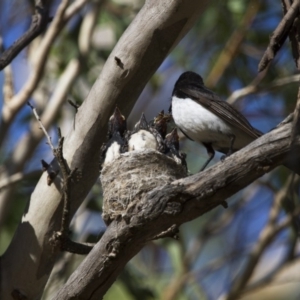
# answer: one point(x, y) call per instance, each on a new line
point(8, 84)
point(173, 204)
point(25, 148)
point(279, 35)
point(75, 8)
point(10, 109)
point(17, 177)
point(296, 119)
point(27, 145)
point(266, 237)
point(60, 239)
point(254, 88)
point(294, 36)
point(38, 24)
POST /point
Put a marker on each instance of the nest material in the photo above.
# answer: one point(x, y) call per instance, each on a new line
point(129, 177)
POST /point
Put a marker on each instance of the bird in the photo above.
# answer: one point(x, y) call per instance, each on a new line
point(117, 127)
point(158, 127)
point(116, 123)
point(172, 148)
point(160, 123)
point(141, 138)
point(204, 117)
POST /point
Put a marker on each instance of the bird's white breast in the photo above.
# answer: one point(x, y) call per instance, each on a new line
point(197, 122)
point(202, 126)
point(142, 140)
point(112, 152)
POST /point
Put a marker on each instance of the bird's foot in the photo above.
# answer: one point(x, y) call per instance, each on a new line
point(226, 155)
point(223, 157)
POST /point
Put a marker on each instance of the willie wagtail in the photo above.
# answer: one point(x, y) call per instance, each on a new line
point(205, 118)
point(117, 127)
point(141, 138)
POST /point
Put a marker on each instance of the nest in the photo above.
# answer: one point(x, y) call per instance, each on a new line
point(130, 176)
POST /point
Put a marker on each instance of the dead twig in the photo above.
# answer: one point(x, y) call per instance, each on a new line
point(26, 146)
point(39, 23)
point(294, 36)
point(255, 87)
point(18, 100)
point(42, 126)
point(286, 4)
point(279, 35)
point(75, 105)
point(60, 239)
point(17, 177)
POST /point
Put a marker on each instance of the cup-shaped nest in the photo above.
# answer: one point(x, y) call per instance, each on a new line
point(127, 179)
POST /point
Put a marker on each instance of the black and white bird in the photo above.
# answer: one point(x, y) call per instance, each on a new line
point(116, 138)
point(141, 137)
point(205, 118)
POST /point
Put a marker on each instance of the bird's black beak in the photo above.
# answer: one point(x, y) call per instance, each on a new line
point(142, 124)
point(117, 123)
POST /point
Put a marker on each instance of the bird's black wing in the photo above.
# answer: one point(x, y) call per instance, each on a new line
point(221, 108)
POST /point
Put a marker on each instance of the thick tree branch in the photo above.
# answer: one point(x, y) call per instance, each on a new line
point(173, 204)
point(154, 32)
point(38, 24)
